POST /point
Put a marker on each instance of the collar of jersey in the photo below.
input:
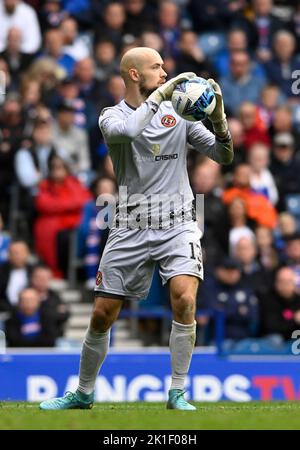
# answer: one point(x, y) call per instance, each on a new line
point(129, 106)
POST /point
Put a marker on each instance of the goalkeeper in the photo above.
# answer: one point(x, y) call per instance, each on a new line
point(147, 142)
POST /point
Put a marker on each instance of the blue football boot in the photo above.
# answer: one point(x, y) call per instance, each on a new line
point(177, 401)
point(71, 400)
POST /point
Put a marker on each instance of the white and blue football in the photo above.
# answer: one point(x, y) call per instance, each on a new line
point(194, 99)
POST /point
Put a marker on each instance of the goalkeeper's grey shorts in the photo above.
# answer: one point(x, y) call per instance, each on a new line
point(130, 255)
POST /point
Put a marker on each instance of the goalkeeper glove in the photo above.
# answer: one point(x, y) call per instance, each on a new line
point(165, 91)
point(218, 116)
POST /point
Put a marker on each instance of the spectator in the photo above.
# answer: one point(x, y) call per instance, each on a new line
point(236, 41)
point(152, 40)
point(287, 226)
point(31, 100)
point(89, 87)
point(48, 73)
point(5, 240)
point(237, 134)
point(54, 49)
point(205, 179)
point(30, 325)
point(267, 255)
point(271, 98)
point(255, 129)
point(31, 161)
point(85, 114)
point(285, 167)
point(6, 73)
point(139, 17)
point(11, 134)
point(280, 68)
point(292, 256)
point(113, 23)
point(51, 14)
point(259, 209)
point(226, 293)
point(168, 26)
point(40, 280)
point(191, 58)
point(261, 179)
point(237, 212)
point(283, 123)
point(16, 13)
point(93, 229)
point(17, 60)
point(240, 85)
point(74, 45)
point(280, 306)
point(115, 91)
point(209, 15)
point(14, 274)
point(59, 204)
point(261, 28)
point(73, 140)
point(296, 24)
point(105, 60)
point(253, 274)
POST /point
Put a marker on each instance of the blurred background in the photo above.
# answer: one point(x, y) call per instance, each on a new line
point(60, 60)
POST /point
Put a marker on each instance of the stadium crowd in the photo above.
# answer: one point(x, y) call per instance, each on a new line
point(60, 59)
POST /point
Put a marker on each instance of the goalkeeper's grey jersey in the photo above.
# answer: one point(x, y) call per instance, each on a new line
point(148, 147)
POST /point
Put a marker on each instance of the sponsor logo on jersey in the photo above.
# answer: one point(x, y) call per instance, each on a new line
point(98, 278)
point(166, 157)
point(168, 121)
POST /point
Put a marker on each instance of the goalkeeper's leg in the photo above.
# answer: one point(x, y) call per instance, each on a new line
point(183, 290)
point(94, 350)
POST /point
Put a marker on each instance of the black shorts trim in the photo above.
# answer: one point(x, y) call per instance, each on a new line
point(108, 295)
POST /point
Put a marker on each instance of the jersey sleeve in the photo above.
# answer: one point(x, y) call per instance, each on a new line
point(117, 130)
point(204, 141)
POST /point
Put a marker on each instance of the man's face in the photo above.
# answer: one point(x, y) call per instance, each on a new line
point(283, 153)
point(10, 5)
point(245, 251)
point(152, 75)
point(66, 118)
point(241, 176)
point(285, 283)
point(42, 134)
point(293, 250)
point(29, 302)
point(40, 279)
point(239, 65)
point(18, 254)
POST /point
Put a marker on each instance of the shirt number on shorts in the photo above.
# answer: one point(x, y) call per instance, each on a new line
point(192, 250)
point(193, 255)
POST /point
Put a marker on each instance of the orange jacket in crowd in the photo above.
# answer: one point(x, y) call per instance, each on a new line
point(258, 207)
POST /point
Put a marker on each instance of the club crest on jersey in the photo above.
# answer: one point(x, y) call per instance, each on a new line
point(98, 278)
point(168, 121)
point(155, 149)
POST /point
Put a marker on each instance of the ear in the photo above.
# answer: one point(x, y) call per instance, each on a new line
point(134, 75)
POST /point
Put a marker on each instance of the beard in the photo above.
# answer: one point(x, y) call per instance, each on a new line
point(144, 90)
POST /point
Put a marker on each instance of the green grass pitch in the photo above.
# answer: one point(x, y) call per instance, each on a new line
point(154, 416)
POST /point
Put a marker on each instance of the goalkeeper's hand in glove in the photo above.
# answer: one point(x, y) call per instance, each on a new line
point(165, 91)
point(218, 116)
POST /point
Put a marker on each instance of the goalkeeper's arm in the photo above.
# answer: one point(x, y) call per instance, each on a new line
point(116, 129)
point(218, 145)
point(224, 146)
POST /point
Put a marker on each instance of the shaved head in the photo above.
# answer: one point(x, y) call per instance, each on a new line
point(136, 58)
point(142, 71)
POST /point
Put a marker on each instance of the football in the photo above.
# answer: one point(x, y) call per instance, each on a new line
point(194, 99)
